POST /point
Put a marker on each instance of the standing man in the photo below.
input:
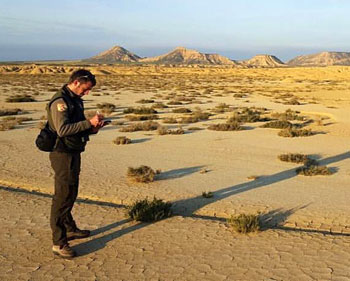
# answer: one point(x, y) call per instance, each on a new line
point(66, 117)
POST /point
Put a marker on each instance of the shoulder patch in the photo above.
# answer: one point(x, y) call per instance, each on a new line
point(61, 107)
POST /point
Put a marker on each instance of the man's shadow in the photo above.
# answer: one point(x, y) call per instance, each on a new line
point(188, 207)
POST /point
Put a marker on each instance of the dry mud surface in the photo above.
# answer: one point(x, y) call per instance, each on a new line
point(306, 237)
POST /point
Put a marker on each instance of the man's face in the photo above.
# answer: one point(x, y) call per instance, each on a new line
point(82, 89)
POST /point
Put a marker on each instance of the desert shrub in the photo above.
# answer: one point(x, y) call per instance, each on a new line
point(208, 194)
point(141, 126)
point(117, 123)
point(288, 115)
point(14, 111)
point(244, 223)
point(145, 101)
point(142, 117)
point(149, 211)
point(21, 98)
point(174, 102)
point(170, 120)
point(141, 174)
point(278, 124)
point(239, 95)
point(162, 130)
point(122, 140)
point(294, 158)
point(196, 116)
point(159, 105)
point(221, 108)
point(247, 116)
point(140, 110)
point(182, 110)
point(293, 101)
point(233, 126)
point(291, 133)
point(314, 170)
point(106, 108)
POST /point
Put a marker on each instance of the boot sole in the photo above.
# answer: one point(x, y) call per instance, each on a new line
point(64, 257)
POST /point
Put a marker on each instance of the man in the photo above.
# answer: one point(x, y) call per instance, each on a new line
point(66, 117)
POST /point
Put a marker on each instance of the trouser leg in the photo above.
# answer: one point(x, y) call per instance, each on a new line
point(67, 168)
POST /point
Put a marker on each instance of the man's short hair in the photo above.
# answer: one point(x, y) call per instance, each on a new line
point(83, 76)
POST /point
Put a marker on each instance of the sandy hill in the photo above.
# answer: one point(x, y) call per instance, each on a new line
point(263, 61)
point(322, 59)
point(114, 55)
point(181, 55)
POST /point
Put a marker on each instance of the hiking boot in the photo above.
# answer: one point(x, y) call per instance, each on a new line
point(78, 234)
point(63, 251)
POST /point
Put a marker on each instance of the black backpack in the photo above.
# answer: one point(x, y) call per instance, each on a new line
point(47, 138)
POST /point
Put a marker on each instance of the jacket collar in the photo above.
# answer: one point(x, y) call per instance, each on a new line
point(68, 92)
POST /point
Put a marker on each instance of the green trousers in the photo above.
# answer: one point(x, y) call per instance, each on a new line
point(67, 169)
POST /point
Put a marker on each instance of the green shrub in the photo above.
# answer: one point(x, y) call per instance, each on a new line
point(244, 223)
point(149, 211)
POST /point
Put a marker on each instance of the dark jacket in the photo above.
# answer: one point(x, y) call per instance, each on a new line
point(66, 117)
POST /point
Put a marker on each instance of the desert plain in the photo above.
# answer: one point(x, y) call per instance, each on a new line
point(305, 231)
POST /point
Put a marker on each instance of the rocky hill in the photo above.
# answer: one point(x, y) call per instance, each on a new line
point(322, 59)
point(116, 54)
point(263, 61)
point(181, 55)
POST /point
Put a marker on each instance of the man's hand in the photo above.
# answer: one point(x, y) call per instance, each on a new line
point(97, 120)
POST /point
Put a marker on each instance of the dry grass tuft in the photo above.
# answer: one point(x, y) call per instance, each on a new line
point(291, 133)
point(314, 170)
point(142, 126)
point(141, 174)
point(122, 140)
point(21, 98)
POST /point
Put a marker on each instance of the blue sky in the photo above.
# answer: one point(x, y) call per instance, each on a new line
point(75, 29)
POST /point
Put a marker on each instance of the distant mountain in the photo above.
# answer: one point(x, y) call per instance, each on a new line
point(181, 55)
point(263, 61)
point(114, 55)
point(322, 59)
